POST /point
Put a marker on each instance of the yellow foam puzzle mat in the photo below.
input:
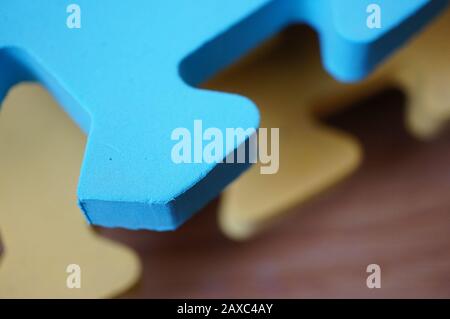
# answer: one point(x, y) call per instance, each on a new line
point(49, 250)
point(422, 69)
point(285, 79)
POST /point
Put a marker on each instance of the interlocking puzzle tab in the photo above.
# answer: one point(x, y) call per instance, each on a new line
point(127, 76)
point(313, 156)
point(43, 237)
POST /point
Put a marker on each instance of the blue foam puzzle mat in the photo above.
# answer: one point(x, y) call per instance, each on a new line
point(128, 78)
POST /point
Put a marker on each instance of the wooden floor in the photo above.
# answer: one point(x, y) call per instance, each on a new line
point(394, 211)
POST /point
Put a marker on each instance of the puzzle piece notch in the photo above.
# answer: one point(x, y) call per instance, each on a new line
point(41, 230)
point(121, 173)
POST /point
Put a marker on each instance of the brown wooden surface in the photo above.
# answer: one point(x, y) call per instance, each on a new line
point(395, 211)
